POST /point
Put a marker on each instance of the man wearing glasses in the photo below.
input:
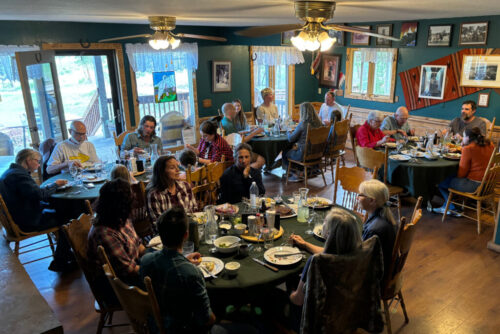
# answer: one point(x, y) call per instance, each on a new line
point(397, 126)
point(74, 150)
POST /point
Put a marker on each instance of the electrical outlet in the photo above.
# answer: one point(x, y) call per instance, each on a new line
point(319, 91)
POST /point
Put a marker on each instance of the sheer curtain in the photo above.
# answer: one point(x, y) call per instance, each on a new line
point(143, 58)
point(8, 67)
point(277, 55)
point(376, 55)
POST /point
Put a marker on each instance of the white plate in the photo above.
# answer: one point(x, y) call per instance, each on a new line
point(325, 202)
point(219, 265)
point(452, 156)
point(400, 157)
point(93, 179)
point(318, 232)
point(418, 154)
point(390, 145)
point(293, 213)
point(230, 209)
point(156, 241)
point(282, 261)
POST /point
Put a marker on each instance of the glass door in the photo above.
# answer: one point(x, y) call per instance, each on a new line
point(42, 99)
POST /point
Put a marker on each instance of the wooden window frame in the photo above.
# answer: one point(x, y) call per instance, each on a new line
point(369, 96)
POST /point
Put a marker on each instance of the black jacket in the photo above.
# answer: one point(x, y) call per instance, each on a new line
point(234, 186)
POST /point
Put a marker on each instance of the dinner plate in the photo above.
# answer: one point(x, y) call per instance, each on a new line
point(413, 138)
point(452, 156)
point(93, 179)
point(318, 232)
point(218, 265)
point(418, 154)
point(269, 256)
point(252, 238)
point(156, 243)
point(321, 202)
point(400, 157)
point(259, 135)
point(390, 145)
point(66, 186)
point(226, 209)
point(293, 213)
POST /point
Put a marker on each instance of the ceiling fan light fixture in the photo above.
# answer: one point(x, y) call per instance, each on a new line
point(174, 43)
point(159, 41)
point(326, 41)
point(299, 41)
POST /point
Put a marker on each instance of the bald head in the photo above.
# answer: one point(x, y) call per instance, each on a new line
point(78, 131)
point(229, 110)
point(401, 115)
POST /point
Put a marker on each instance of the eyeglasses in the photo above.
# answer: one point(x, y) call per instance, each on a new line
point(37, 160)
point(79, 133)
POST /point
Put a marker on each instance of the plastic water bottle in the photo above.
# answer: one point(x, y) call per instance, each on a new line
point(254, 192)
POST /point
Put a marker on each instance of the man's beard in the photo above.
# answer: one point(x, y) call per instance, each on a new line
point(466, 117)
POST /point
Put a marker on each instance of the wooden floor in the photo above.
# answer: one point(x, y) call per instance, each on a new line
point(452, 281)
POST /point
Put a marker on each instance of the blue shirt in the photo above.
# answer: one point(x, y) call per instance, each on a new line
point(228, 126)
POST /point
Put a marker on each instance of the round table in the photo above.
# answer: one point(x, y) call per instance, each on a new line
point(270, 147)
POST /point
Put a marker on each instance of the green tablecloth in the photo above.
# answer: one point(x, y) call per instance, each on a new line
point(269, 147)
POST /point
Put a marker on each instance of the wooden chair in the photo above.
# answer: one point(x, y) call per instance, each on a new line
point(12, 233)
point(490, 127)
point(88, 206)
point(215, 171)
point(350, 178)
point(250, 118)
point(317, 106)
point(337, 139)
point(137, 303)
point(296, 113)
point(120, 138)
point(140, 215)
point(77, 232)
point(417, 211)
point(391, 288)
point(354, 143)
point(200, 185)
point(370, 159)
point(484, 193)
point(314, 149)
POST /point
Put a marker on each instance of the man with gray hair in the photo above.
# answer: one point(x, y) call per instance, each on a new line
point(369, 134)
point(397, 126)
point(74, 150)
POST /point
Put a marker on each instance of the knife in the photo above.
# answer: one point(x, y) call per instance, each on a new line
point(287, 255)
point(265, 265)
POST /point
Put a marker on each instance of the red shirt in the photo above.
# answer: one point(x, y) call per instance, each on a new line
point(215, 150)
point(368, 137)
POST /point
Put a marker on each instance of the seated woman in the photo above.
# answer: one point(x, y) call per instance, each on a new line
point(121, 172)
point(267, 111)
point(240, 120)
point(212, 146)
point(473, 163)
point(166, 190)
point(113, 230)
point(369, 134)
point(308, 116)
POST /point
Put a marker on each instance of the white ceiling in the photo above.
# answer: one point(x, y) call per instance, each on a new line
point(235, 12)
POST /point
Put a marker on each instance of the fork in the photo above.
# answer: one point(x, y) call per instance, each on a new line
point(207, 271)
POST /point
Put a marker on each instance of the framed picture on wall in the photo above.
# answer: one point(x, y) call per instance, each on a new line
point(473, 33)
point(408, 34)
point(339, 35)
point(330, 69)
point(432, 82)
point(439, 35)
point(221, 76)
point(384, 29)
point(286, 37)
point(483, 100)
point(480, 71)
point(360, 39)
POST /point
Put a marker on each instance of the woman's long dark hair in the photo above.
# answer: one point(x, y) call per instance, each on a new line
point(113, 206)
point(159, 180)
point(240, 118)
point(475, 136)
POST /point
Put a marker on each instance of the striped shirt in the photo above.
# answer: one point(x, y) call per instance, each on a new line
point(215, 150)
point(161, 201)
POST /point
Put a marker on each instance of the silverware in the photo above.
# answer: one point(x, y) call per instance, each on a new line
point(207, 271)
point(284, 203)
point(265, 265)
point(287, 255)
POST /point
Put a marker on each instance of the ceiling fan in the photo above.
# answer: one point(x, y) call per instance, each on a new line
point(163, 37)
point(313, 34)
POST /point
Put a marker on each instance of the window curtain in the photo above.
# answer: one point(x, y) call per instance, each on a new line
point(277, 55)
point(8, 66)
point(143, 58)
point(377, 55)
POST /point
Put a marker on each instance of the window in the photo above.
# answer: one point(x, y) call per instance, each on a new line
point(371, 74)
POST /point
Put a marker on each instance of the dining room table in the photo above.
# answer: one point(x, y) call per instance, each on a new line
point(270, 146)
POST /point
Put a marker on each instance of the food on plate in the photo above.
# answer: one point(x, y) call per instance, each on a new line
point(226, 208)
point(283, 210)
point(317, 201)
point(413, 138)
point(391, 145)
point(200, 219)
point(225, 226)
point(209, 265)
point(90, 177)
point(454, 148)
point(223, 245)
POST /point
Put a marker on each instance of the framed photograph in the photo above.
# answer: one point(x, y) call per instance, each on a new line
point(360, 39)
point(408, 34)
point(164, 86)
point(473, 33)
point(221, 76)
point(330, 69)
point(286, 37)
point(480, 71)
point(483, 100)
point(432, 82)
point(384, 29)
point(439, 35)
point(339, 35)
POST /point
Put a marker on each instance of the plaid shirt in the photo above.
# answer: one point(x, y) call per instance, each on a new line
point(160, 201)
point(121, 246)
point(216, 149)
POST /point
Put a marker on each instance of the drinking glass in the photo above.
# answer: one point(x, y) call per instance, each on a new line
point(73, 170)
point(311, 218)
point(268, 236)
point(296, 197)
point(187, 248)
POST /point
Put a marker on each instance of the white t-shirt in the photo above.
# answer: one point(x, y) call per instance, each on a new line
point(269, 114)
point(69, 150)
point(325, 112)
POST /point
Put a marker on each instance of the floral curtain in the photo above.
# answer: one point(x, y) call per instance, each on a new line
point(277, 55)
point(143, 58)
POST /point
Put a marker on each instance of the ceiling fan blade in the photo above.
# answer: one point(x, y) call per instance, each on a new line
point(268, 30)
point(124, 37)
point(359, 31)
point(209, 38)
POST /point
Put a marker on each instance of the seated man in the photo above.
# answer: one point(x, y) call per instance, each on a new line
point(330, 110)
point(178, 284)
point(229, 127)
point(25, 201)
point(267, 111)
point(468, 120)
point(369, 134)
point(397, 126)
point(74, 150)
point(188, 158)
point(143, 137)
point(236, 181)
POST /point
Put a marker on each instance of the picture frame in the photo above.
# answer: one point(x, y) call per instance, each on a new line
point(286, 37)
point(360, 39)
point(408, 34)
point(221, 76)
point(330, 70)
point(339, 35)
point(165, 89)
point(432, 82)
point(473, 33)
point(383, 29)
point(440, 35)
point(480, 71)
point(483, 100)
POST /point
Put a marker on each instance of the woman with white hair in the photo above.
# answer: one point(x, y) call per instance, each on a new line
point(369, 134)
point(267, 111)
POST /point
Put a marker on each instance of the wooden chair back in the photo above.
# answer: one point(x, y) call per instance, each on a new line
point(140, 215)
point(200, 185)
point(490, 127)
point(316, 140)
point(417, 211)
point(317, 106)
point(215, 171)
point(120, 138)
point(11, 229)
point(491, 177)
point(352, 132)
point(369, 158)
point(250, 118)
point(337, 137)
point(296, 113)
point(346, 114)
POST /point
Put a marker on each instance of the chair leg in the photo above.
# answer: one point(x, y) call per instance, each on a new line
point(331, 166)
point(51, 244)
point(305, 176)
point(387, 317)
point(16, 248)
point(399, 207)
point(287, 173)
point(102, 321)
point(478, 206)
point(110, 318)
point(447, 206)
point(323, 174)
point(403, 306)
point(343, 160)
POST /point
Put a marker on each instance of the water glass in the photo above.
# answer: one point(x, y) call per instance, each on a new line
point(270, 216)
point(296, 197)
point(268, 237)
point(187, 248)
